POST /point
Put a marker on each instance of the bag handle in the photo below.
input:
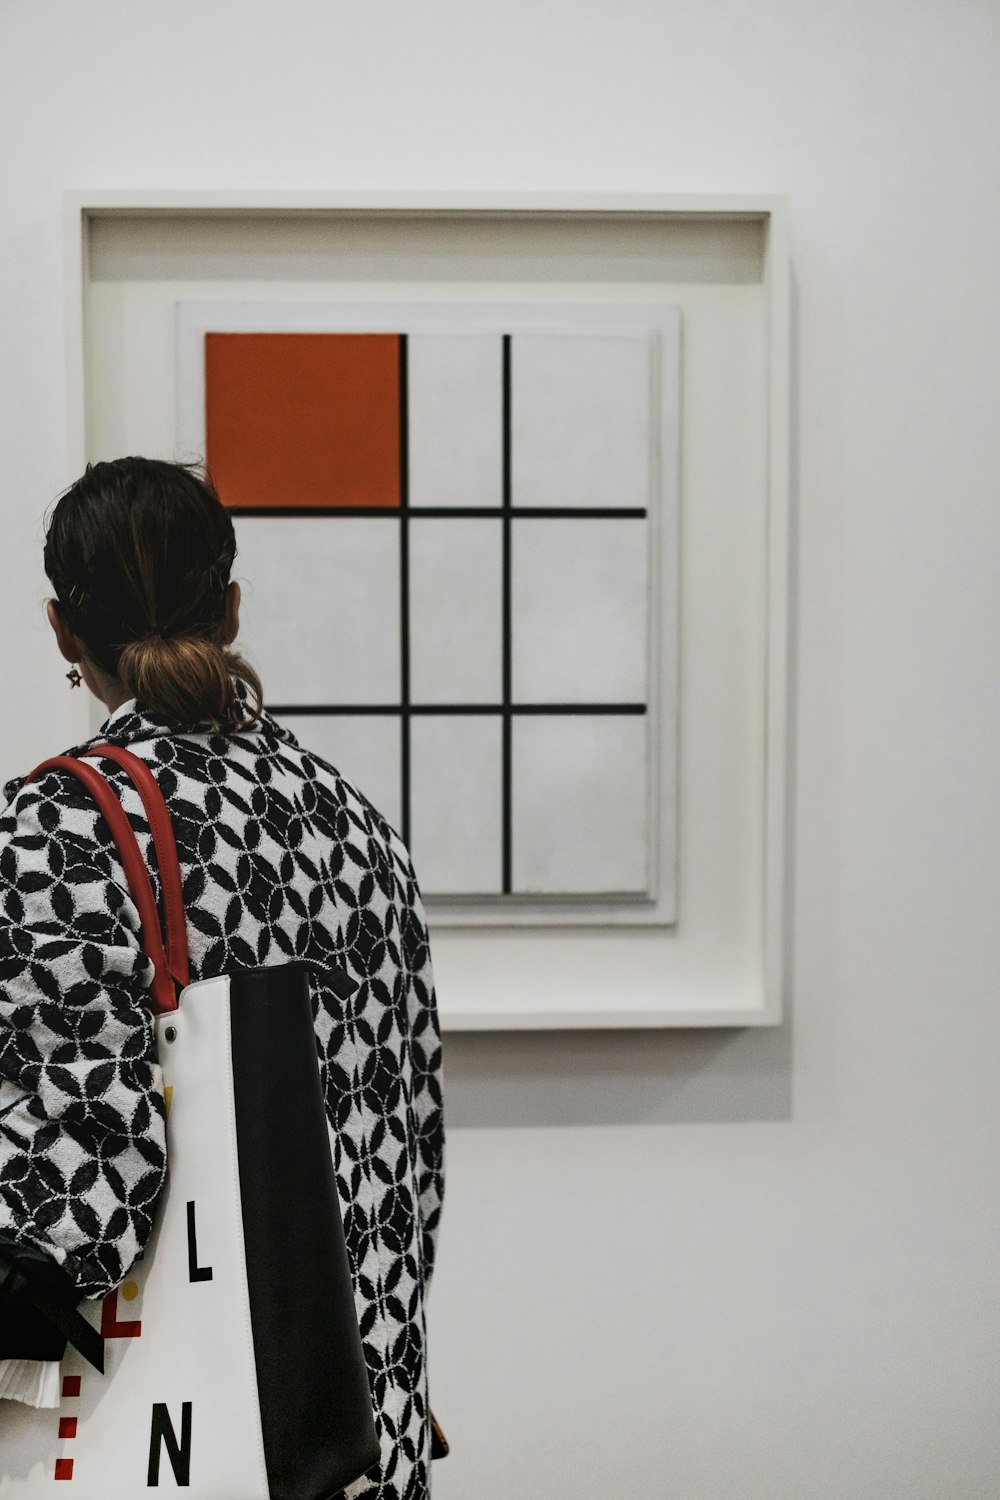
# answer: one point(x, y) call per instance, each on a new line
point(166, 975)
point(164, 843)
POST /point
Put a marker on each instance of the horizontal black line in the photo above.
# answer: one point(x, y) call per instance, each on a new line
point(578, 708)
point(333, 708)
point(456, 708)
point(449, 512)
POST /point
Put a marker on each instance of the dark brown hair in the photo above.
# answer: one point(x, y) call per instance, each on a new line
point(139, 552)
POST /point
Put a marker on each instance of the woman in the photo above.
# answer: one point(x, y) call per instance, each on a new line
point(281, 858)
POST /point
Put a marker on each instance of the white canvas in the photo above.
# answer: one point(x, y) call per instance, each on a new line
point(321, 606)
point(580, 419)
point(580, 804)
point(456, 803)
point(594, 423)
point(580, 611)
point(365, 748)
point(455, 419)
point(456, 611)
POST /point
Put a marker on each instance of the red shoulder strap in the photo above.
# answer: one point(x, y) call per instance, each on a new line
point(165, 845)
point(162, 989)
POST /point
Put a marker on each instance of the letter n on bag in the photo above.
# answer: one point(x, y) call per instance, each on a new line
point(162, 1435)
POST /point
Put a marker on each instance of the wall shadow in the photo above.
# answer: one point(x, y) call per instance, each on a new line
point(538, 1078)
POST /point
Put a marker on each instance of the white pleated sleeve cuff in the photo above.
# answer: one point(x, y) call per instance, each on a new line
point(33, 1381)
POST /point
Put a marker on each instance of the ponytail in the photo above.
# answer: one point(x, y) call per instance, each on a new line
point(189, 680)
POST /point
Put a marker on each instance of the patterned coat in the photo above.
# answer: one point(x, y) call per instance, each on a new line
point(281, 858)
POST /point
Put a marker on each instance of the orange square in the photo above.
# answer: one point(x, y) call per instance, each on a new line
point(64, 1468)
point(309, 419)
point(67, 1427)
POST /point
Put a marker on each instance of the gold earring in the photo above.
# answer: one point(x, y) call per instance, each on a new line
point(74, 677)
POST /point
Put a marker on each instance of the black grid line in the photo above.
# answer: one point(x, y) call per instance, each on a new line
point(587, 709)
point(404, 588)
point(506, 811)
point(451, 512)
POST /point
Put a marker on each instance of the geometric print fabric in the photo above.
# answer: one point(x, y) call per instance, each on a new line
point(281, 858)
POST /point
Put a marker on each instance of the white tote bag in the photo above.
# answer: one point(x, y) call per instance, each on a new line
point(233, 1364)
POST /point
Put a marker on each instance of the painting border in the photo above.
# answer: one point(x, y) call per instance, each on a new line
point(658, 906)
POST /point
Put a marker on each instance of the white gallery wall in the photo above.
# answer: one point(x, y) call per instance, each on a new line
point(680, 1264)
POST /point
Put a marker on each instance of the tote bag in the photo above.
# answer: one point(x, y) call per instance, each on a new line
point(233, 1363)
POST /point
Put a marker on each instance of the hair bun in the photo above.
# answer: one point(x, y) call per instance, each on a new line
point(185, 679)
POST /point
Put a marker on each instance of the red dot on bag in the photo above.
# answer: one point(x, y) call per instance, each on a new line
point(67, 1427)
point(64, 1468)
point(71, 1385)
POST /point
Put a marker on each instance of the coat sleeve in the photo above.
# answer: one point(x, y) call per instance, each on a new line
point(425, 1045)
point(82, 1137)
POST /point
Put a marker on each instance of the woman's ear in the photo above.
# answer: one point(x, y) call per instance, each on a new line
point(66, 640)
point(231, 622)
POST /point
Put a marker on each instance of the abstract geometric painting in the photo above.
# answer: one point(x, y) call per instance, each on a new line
point(457, 524)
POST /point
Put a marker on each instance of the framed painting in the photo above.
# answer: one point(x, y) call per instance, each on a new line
point(537, 609)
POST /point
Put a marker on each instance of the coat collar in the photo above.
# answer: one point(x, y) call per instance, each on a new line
point(131, 723)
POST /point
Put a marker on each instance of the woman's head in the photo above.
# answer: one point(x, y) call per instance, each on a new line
point(139, 552)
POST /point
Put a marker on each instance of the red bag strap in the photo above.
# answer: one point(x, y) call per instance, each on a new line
point(163, 988)
point(165, 845)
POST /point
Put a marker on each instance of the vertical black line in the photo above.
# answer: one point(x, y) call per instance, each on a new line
point(404, 588)
point(506, 686)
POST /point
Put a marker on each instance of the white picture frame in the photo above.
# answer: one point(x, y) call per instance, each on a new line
point(725, 259)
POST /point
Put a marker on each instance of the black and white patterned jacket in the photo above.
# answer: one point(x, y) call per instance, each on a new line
point(281, 858)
